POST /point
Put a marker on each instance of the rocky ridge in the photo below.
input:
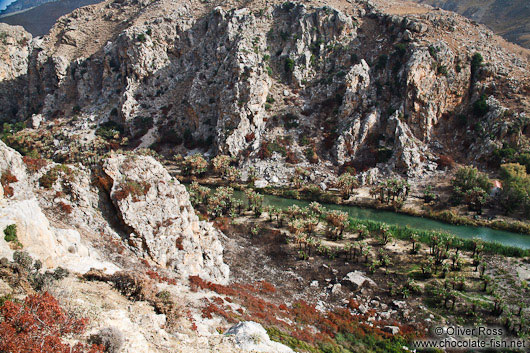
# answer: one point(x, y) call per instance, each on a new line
point(350, 93)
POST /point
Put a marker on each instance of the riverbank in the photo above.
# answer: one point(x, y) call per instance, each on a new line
point(333, 197)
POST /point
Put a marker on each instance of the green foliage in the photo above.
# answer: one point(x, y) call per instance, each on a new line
point(141, 37)
point(51, 176)
point(194, 165)
point(289, 65)
point(288, 6)
point(23, 259)
point(381, 62)
point(347, 183)
point(109, 130)
point(441, 70)
point(515, 194)
point(425, 236)
point(400, 50)
point(391, 191)
point(142, 125)
point(428, 195)
point(11, 129)
point(10, 233)
point(480, 107)
point(476, 62)
point(467, 179)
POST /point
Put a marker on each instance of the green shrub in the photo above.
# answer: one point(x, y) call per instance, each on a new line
point(480, 107)
point(51, 176)
point(289, 65)
point(110, 130)
point(10, 233)
point(476, 62)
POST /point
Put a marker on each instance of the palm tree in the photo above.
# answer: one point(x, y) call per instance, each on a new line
point(414, 239)
point(366, 252)
point(487, 280)
point(455, 257)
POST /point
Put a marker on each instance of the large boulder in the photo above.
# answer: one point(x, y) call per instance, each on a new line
point(357, 280)
point(251, 336)
point(162, 222)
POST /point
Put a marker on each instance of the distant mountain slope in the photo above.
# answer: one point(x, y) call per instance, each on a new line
point(38, 20)
point(508, 18)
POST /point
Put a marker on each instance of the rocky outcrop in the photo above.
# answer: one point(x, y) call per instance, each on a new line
point(162, 221)
point(251, 336)
point(53, 246)
point(322, 84)
point(14, 53)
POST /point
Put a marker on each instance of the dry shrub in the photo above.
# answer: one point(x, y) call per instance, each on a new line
point(111, 338)
point(39, 325)
point(133, 188)
point(6, 179)
point(34, 164)
point(445, 161)
point(64, 207)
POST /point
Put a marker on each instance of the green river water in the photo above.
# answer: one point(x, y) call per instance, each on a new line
point(462, 231)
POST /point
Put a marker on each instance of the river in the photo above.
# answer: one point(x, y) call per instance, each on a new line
point(487, 234)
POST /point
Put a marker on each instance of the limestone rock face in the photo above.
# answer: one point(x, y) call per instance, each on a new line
point(53, 246)
point(11, 164)
point(162, 220)
point(14, 53)
point(251, 336)
point(236, 80)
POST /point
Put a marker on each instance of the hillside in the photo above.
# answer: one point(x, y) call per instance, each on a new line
point(507, 18)
point(142, 140)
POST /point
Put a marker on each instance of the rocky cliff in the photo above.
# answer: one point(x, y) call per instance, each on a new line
point(363, 84)
point(111, 225)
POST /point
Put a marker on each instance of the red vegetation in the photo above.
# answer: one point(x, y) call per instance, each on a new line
point(445, 161)
point(264, 152)
point(38, 325)
point(291, 157)
point(34, 164)
point(222, 224)
point(157, 277)
point(304, 317)
point(250, 137)
point(103, 182)
point(133, 188)
point(64, 207)
point(178, 243)
point(6, 179)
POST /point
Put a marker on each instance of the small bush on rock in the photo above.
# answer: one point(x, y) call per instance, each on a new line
point(10, 233)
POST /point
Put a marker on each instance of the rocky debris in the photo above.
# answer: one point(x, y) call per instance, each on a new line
point(399, 304)
point(357, 280)
point(251, 336)
point(162, 222)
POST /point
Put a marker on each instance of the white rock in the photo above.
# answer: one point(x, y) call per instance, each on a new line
point(251, 336)
point(261, 183)
point(357, 280)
